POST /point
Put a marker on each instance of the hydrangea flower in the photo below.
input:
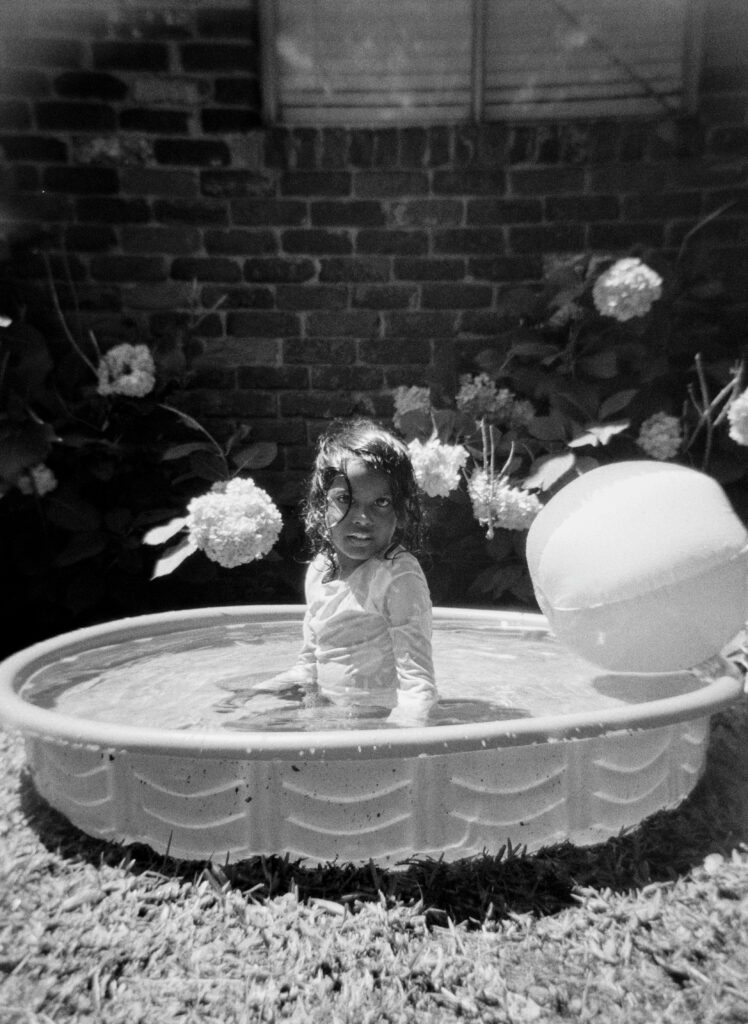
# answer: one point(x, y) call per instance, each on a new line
point(627, 289)
point(413, 399)
point(234, 523)
point(660, 436)
point(39, 480)
point(497, 503)
point(437, 466)
point(737, 416)
point(127, 370)
point(480, 397)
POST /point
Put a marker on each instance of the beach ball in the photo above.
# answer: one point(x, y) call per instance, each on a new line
point(641, 567)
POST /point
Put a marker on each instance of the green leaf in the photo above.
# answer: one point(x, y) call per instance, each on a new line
point(70, 512)
point(255, 456)
point(548, 470)
point(173, 558)
point(23, 445)
point(602, 365)
point(160, 534)
point(81, 547)
point(616, 403)
point(533, 350)
point(547, 428)
point(179, 451)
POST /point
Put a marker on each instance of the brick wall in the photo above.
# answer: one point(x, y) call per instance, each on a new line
point(350, 261)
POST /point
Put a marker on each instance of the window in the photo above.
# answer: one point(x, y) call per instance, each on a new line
point(378, 62)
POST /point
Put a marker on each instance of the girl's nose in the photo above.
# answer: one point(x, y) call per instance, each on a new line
point(360, 513)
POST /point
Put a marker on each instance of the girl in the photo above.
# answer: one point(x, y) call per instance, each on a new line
point(367, 627)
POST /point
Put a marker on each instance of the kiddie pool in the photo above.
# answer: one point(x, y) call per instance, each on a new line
point(555, 750)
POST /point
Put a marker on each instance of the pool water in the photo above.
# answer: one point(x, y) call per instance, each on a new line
point(206, 677)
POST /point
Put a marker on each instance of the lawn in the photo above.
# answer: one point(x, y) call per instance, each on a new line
point(649, 927)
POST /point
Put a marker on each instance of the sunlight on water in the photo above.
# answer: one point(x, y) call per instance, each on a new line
point(206, 678)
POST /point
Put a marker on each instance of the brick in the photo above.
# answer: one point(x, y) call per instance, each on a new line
point(230, 119)
point(163, 295)
point(391, 296)
point(28, 264)
point(90, 85)
point(418, 326)
point(39, 148)
point(177, 241)
point(395, 350)
point(128, 268)
point(79, 22)
point(241, 243)
point(547, 180)
point(198, 152)
point(273, 378)
point(38, 208)
point(269, 212)
point(166, 122)
point(130, 56)
point(101, 180)
point(354, 269)
point(22, 178)
point(15, 115)
point(427, 213)
point(644, 206)
point(724, 78)
point(43, 53)
point(414, 144)
point(169, 90)
point(470, 181)
point(582, 208)
point(440, 146)
point(390, 184)
point(113, 210)
point(186, 212)
point(721, 231)
point(507, 268)
point(429, 269)
point(150, 181)
point(168, 323)
point(357, 324)
point(88, 238)
point(535, 238)
point(334, 147)
point(221, 57)
point(504, 211)
point(235, 352)
point(238, 297)
point(316, 242)
point(91, 298)
point(361, 147)
point(261, 324)
point(57, 114)
point(455, 296)
point(623, 236)
point(309, 351)
point(243, 92)
point(362, 213)
point(635, 177)
point(315, 183)
point(311, 296)
point(732, 141)
point(471, 241)
point(279, 270)
point(346, 378)
point(392, 243)
point(205, 268)
point(325, 405)
point(242, 404)
point(24, 82)
point(235, 183)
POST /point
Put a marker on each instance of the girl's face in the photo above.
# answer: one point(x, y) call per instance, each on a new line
point(360, 515)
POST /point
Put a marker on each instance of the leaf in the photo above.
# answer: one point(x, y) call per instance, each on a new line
point(72, 513)
point(548, 470)
point(616, 403)
point(599, 434)
point(255, 456)
point(179, 451)
point(208, 466)
point(173, 558)
point(603, 365)
point(23, 445)
point(533, 350)
point(81, 547)
point(547, 428)
point(160, 534)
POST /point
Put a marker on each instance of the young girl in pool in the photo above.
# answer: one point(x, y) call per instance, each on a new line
point(367, 626)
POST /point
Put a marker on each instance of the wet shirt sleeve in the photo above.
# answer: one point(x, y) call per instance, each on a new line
point(408, 610)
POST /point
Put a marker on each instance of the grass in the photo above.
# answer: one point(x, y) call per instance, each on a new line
point(649, 927)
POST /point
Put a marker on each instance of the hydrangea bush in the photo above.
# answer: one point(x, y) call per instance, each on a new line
point(608, 359)
point(95, 455)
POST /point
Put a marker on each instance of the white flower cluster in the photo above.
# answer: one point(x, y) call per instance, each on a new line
point(127, 370)
point(496, 503)
point(660, 436)
point(234, 523)
point(480, 397)
point(437, 466)
point(737, 416)
point(39, 480)
point(413, 399)
point(627, 289)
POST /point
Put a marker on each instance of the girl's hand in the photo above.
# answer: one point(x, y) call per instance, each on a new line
point(287, 680)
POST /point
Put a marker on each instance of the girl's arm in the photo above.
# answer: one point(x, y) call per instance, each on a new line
point(408, 609)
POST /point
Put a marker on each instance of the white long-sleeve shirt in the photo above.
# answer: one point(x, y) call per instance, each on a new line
point(367, 638)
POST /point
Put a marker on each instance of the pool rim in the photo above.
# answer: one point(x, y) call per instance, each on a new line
point(18, 714)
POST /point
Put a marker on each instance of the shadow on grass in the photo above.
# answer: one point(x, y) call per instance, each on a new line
point(714, 819)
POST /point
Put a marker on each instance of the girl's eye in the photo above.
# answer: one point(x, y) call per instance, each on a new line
point(340, 498)
point(383, 502)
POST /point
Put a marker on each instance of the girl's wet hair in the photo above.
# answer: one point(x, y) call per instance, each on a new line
point(377, 448)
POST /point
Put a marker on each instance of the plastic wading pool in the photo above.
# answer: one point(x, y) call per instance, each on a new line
point(561, 751)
